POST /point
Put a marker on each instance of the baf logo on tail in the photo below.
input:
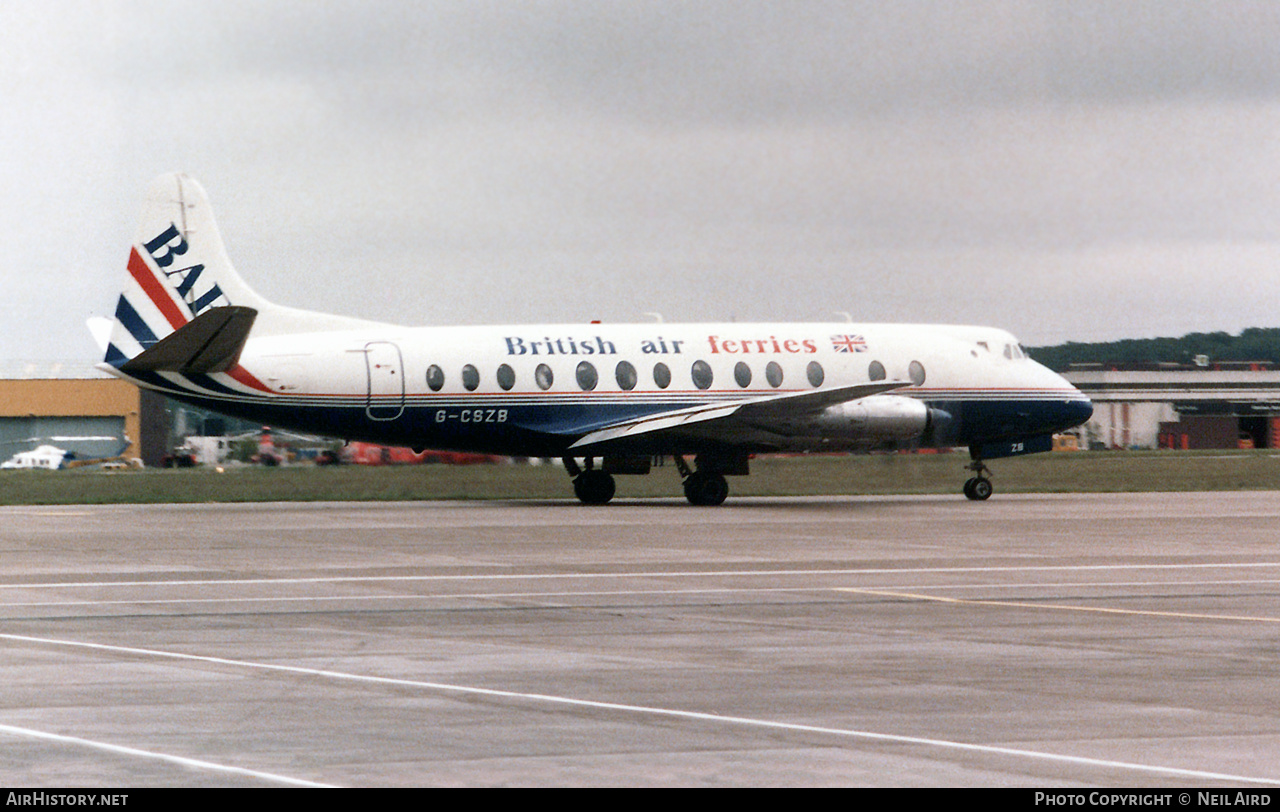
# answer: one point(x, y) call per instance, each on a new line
point(607, 399)
point(163, 250)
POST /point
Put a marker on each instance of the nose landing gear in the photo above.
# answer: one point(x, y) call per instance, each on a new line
point(978, 487)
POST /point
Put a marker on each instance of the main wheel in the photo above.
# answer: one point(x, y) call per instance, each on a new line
point(706, 490)
point(594, 487)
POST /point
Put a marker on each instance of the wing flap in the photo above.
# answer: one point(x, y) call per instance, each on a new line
point(751, 409)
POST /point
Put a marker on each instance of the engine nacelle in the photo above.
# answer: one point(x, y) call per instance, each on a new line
point(878, 420)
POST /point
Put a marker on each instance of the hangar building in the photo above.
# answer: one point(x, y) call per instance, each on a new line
point(92, 417)
point(1204, 405)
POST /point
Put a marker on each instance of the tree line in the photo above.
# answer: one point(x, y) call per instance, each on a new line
point(1253, 344)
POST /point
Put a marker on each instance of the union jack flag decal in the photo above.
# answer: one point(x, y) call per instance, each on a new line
point(849, 343)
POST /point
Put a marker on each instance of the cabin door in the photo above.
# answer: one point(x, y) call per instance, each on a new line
point(386, 380)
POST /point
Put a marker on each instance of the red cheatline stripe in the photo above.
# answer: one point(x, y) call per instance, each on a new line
point(155, 291)
point(239, 373)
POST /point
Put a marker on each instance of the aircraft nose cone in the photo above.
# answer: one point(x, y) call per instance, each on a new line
point(1061, 415)
point(1076, 409)
point(1081, 411)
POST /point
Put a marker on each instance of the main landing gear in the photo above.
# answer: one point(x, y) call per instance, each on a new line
point(978, 487)
point(705, 487)
point(591, 486)
point(702, 488)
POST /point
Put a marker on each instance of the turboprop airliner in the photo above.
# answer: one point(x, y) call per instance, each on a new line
point(608, 399)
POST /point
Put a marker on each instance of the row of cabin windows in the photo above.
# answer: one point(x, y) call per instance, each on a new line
point(627, 377)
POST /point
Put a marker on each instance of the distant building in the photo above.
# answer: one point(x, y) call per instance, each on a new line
point(1202, 405)
point(74, 407)
point(88, 417)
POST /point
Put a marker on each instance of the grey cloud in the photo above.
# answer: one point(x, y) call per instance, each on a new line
point(678, 62)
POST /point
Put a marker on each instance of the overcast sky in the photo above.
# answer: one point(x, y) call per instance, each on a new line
point(1068, 170)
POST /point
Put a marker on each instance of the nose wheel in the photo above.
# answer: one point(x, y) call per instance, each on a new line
point(978, 487)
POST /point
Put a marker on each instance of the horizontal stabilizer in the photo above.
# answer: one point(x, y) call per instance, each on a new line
point(211, 342)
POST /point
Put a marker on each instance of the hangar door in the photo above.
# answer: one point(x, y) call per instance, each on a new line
point(86, 437)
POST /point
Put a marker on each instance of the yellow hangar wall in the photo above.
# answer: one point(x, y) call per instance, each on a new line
point(72, 398)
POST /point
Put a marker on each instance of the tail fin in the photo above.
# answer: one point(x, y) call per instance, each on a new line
point(179, 271)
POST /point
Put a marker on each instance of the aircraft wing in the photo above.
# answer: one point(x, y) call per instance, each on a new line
point(734, 420)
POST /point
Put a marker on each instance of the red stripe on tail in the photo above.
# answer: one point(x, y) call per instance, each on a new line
point(155, 291)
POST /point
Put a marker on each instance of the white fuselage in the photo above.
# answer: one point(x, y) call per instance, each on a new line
point(528, 389)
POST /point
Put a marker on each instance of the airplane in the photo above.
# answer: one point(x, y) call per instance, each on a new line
point(608, 399)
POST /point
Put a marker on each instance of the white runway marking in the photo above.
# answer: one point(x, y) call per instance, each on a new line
point(183, 761)
point(866, 735)
point(887, 590)
point(13, 588)
point(1107, 610)
point(345, 579)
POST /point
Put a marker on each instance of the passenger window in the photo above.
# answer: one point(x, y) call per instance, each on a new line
point(661, 375)
point(506, 377)
point(435, 378)
point(626, 375)
point(815, 373)
point(876, 371)
point(587, 376)
point(544, 377)
point(742, 374)
point(916, 372)
point(702, 375)
point(773, 374)
point(470, 378)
